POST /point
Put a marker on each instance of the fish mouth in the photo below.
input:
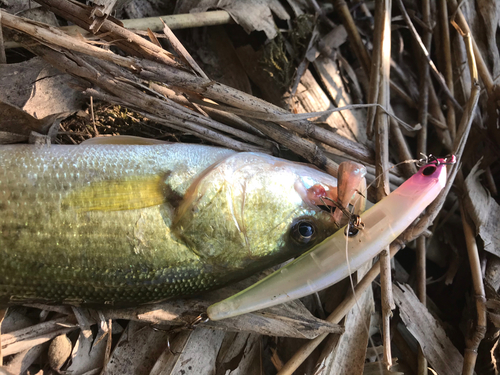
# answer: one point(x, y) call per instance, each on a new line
point(319, 194)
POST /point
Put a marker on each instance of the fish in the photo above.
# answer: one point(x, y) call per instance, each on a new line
point(120, 223)
point(345, 251)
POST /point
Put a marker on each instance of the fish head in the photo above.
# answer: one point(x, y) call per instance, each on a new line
point(254, 210)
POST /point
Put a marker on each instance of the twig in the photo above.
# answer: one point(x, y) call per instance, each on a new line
point(382, 15)
point(462, 134)
point(3, 58)
point(177, 124)
point(125, 39)
point(387, 302)
point(434, 69)
point(424, 81)
point(423, 108)
point(300, 146)
point(96, 133)
point(459, 19)
point(214, 111)
point(375, 76)
point(436, 117)
point(304, 116)
point(353, 34)
point(473, 340)
point(175, 22)
point(448, 69)
point(383, 21)
point(181, 51)
point(421, 292)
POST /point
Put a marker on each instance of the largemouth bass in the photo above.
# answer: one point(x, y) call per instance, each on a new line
point(128, 224)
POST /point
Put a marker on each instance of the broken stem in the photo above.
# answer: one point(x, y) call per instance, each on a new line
point(387, 301)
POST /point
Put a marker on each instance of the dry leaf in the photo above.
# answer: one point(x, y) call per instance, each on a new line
point(442, 355)
point(137, 350)
point(39, 89)
point(252, 15)
point(483, 210)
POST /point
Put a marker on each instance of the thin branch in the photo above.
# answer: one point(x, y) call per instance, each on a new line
point(458, 20)
point(448, 68)
point(435, 71)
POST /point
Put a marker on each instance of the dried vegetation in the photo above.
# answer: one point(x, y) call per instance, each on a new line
point(242, 77)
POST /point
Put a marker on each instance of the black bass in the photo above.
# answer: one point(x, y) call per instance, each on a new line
point(126, 224)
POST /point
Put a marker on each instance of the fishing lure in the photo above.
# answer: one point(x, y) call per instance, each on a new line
point(326, 263)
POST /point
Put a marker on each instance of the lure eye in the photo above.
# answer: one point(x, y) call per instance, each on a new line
point(429, 170)
point(304, 232)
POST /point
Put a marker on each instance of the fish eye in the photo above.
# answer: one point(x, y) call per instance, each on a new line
point(304, 231)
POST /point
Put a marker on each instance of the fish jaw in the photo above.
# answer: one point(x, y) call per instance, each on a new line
point(326, 264)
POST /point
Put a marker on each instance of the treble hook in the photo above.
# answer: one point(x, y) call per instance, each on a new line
point(431, 159)
point(354, 220)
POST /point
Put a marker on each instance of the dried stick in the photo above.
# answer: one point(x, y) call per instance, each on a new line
point(425, 51)
point(448, 69)
point(363, 57)
point(472, 343)
point(353, 34)
point(383, 27)
point(463, 130)
point(423, 109)
point(436, 117)
point(424, 80)
point(388, 305)
point(175, 22)
point(3, 58)
point(382, 17)
point(52, 35)
point(373, 90)
point(180, 21)
point(421, 294)
point(484, 73)
point(300, 146)
point(181, 51)
point(186, 82)
point(126, 40)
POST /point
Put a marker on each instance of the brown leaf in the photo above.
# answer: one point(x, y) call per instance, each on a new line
point(39, 89)
point(483, 210)
point(443, 356)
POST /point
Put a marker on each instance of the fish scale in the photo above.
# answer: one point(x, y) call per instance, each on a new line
point(127, 224)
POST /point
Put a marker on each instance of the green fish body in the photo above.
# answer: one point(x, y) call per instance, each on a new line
point(128, 224)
